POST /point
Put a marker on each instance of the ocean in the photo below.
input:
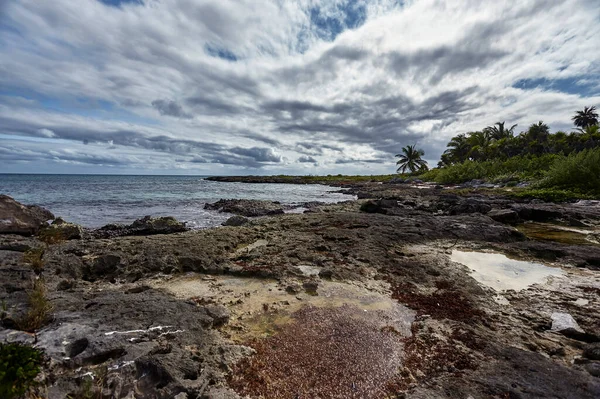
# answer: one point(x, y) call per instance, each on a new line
point(95, 200)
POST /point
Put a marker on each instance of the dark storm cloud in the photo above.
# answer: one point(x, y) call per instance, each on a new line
point(383, 124)
point(307, 159)
point(170, 108)
point(258, 154)
point(254, 157)
point(366, 82)
point(14, 154)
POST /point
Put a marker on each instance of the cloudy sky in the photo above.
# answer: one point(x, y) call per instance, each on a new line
point(280, 86)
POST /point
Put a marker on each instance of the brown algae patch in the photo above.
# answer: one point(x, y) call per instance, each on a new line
point(561, 234)
point(502, 273)
point(259, 307)
point(325, 352)
point(347, 341)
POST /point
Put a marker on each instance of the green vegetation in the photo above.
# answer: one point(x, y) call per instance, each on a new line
point(35, 259)
point(560, 166)
point(579, 171)
point(39, 311)
point(51, 236)
point(19, 366)
point(410, 159)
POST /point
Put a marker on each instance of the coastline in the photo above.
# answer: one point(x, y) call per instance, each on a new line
point(197, 312)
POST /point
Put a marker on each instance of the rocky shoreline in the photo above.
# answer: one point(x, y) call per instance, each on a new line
point(359, 299)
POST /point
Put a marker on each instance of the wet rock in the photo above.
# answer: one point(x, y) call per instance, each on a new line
point(248, 208)
point(236, 220)
point(380, 206)
point(16, 218)
point(142, 227)
point(311, 286)
point(538, 213)
point(293, 289)
point(506, 216)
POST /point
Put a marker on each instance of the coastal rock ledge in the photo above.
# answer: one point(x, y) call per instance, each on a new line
point(248, 208)
point(16, 218)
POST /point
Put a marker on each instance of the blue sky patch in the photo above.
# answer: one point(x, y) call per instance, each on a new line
point(118, 3)
point(568, 85)
point(220, 52)
point(349, 15)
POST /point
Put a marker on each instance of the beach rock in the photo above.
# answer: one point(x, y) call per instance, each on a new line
point(379, 206)
point(248, 208)
point(62, 230)
point(470, 205)
point(236, 220)
point(538, 213)
point(142, 227)
point(564, 321)
point(507, 216)
point(16, 218)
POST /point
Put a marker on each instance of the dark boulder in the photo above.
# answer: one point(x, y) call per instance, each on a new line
point(248, 208)
point(16, 218)
point(538, 213)
point(141, 227)
point(380, 206)
point(506, 216)
point(470, 205)
point(236, 220)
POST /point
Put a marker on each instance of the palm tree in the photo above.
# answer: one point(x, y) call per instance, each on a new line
point(458, 149)
point(499, 132)
point(585, 118)
point(410, 159)
point(479, 143)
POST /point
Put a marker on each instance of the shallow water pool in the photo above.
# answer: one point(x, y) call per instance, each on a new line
point(502, 273)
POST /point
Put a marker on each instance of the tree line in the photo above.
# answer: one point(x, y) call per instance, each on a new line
point(500, 142)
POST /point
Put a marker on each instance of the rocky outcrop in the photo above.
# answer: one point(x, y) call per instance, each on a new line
point(235, 221)
point(141, 227)
point(248, 208)
point(506, 216)
point(61, 230)
point(16, 218)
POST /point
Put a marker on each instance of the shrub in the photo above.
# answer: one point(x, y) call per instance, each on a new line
point(51, 236)
point(515, 168)
point(39, 311)
point(34, 257)
point(19, 365)
point(578, 172)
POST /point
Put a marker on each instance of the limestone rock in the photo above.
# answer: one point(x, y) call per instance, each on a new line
point(16, 218)
point(245, 207)
point(236, 220)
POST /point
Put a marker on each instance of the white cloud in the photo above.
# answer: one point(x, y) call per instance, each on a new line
point(417, 73)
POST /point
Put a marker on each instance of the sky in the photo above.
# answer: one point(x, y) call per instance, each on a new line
point(225, 87)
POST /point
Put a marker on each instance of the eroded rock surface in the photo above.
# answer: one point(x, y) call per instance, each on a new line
point(16, 218)
point(248, 208)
